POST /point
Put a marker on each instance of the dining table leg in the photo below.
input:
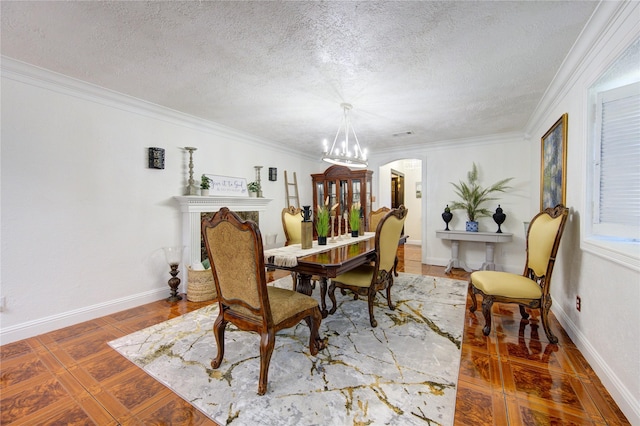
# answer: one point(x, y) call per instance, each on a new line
point(323, 295)
point(304, 284)
point(304, 287)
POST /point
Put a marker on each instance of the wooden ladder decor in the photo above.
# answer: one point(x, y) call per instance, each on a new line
point(291, 196)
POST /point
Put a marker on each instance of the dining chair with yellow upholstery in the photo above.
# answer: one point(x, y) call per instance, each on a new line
point(234, 248)
point(376, 216)
point(370, 278)
point(374, 220)
point(531, 289)
point(291, 224)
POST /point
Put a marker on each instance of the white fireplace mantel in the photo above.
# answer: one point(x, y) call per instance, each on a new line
point(192, 206)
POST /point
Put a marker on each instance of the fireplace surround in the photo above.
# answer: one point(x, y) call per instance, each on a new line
point(192, 208)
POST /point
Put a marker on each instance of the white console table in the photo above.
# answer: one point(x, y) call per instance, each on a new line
point(489, 238)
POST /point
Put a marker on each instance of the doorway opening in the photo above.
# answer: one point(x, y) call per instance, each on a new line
point(401, 182)
point(397, 188)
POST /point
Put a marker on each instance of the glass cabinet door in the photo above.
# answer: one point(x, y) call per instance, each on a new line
point(344, 196)
point(331, 192)
point(368, 196)
point(319, 194)
point(355, 184)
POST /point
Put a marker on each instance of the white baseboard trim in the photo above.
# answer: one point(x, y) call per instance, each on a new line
point(441, 261)
point(436, 261)
point(66, 319)
point(628, 403)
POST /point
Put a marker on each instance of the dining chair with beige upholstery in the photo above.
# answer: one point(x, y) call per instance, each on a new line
point(370, 278)
point(531, 289)
point(234, 248)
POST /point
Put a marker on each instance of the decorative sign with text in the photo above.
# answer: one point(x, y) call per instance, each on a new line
point(226, 186)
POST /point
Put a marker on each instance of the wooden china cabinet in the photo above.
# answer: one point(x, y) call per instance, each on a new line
point(344, 186)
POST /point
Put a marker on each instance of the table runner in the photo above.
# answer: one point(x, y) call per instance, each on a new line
point(288, 255)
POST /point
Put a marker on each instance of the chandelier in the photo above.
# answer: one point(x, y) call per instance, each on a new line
point(341, 153)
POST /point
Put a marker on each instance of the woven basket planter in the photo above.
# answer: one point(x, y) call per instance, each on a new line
point(200, 286)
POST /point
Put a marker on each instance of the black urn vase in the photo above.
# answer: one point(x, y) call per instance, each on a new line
point(306, 213)
point(499, 218)
point(447, 216)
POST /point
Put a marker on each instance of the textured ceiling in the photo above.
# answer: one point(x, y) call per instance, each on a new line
point(279, 70)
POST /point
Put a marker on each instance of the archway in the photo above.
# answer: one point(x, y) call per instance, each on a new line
point(411, 170)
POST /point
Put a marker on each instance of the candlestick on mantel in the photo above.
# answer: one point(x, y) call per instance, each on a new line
point(191, 189)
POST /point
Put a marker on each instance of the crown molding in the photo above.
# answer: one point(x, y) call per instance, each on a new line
point(39, 77)
point(417, 149)
point(607, 19)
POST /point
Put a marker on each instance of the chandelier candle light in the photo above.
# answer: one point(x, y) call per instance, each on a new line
point(343, 154)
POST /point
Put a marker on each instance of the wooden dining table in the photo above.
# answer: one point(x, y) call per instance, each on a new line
point(338, 257)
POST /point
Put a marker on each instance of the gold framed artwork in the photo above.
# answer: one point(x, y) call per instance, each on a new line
point(553, 165)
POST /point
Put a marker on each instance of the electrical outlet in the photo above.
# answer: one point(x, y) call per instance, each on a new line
point(578, 303)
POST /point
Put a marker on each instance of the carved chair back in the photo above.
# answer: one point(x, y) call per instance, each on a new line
point(376, 216)
point(291, 220)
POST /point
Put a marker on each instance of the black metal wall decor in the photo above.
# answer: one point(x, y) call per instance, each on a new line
point(156, 158)
point(273, 174)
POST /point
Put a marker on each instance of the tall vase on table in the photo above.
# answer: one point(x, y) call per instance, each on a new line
point(306, 231)
point(447, 216)
point(499, 217)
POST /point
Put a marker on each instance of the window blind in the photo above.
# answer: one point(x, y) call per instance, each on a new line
point(617, 162)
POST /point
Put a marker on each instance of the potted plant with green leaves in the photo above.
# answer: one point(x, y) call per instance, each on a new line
point(254, 189)
point(322, 222)
point(205, 183)
point(473, 196)
point(354, 219)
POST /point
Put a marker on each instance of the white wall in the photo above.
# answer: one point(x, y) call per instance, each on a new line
point(497, 157)
point(83, 217)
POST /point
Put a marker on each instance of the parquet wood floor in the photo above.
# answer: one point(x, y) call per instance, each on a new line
point(512, 377)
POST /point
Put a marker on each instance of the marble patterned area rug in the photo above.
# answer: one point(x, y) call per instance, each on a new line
point(403, 372)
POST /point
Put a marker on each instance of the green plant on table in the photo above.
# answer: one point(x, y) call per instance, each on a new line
point(473, 195)
point(354, 217)
point(322, 221)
